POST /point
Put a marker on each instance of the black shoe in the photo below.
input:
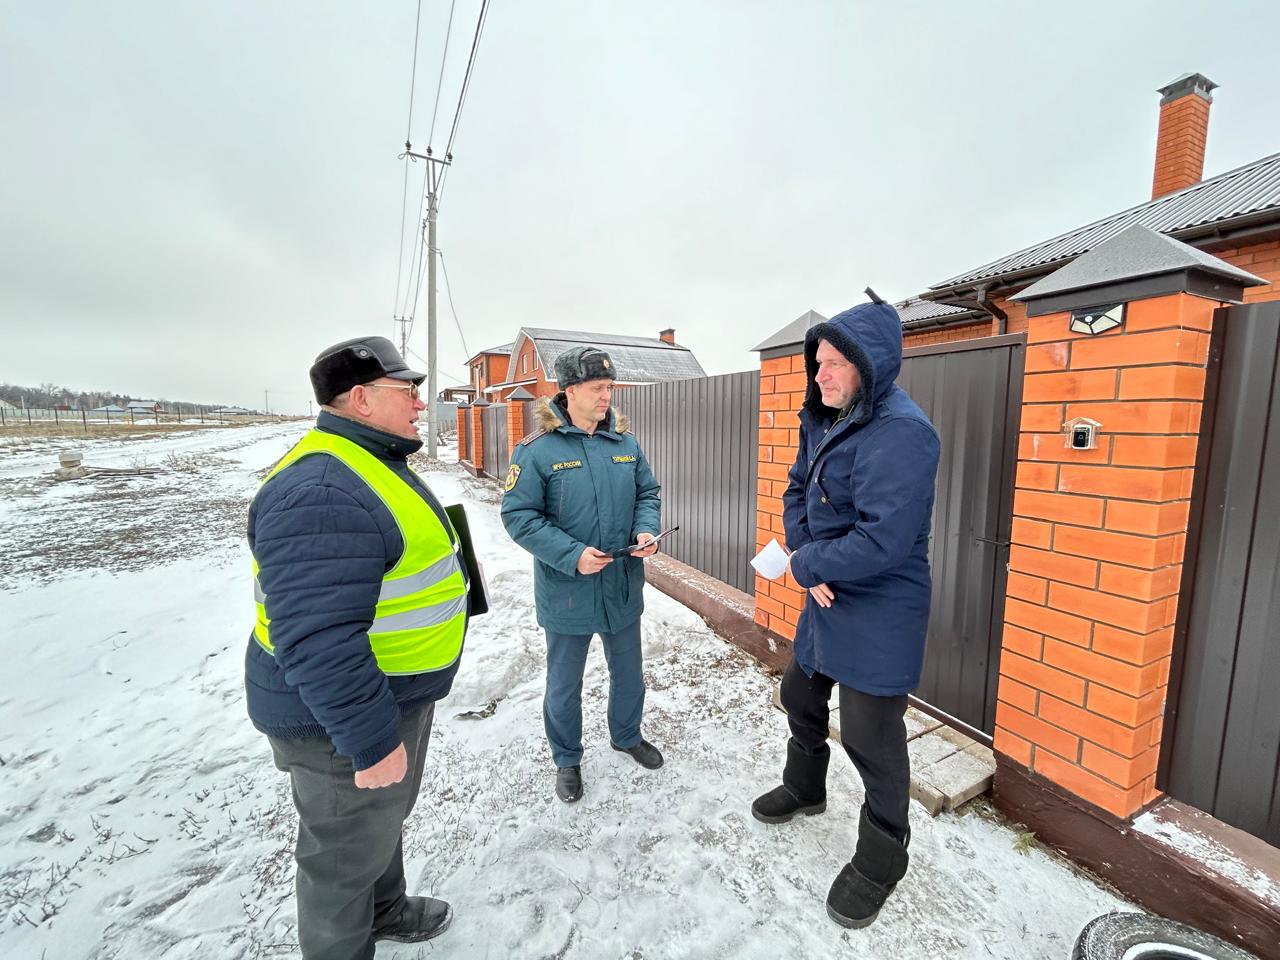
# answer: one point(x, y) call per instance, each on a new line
point(779, 805)
point(421, 918)
point(861, 888)
point(643, 753)
point(569, 783)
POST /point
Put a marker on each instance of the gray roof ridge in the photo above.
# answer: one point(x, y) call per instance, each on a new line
point(1215, 180)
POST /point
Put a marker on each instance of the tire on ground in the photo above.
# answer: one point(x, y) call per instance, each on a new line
point(1113, 935)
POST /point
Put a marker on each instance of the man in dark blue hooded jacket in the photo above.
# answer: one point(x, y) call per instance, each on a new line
point(857, 512)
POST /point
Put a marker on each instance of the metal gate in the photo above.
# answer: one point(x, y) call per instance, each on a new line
point(497, 455)
point(701, 437)
point(1221, 749)
point(972, 391)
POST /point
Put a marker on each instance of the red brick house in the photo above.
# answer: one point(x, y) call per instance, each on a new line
point(639, 360)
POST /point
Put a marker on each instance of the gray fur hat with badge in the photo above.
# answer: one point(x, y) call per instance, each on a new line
point(580, 364)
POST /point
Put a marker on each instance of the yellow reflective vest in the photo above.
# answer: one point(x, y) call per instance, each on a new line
point(421, 615)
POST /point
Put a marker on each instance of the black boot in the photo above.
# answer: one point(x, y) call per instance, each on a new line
point(420, 918)
point(803, 790)
point(569, 783)
point(861, 888)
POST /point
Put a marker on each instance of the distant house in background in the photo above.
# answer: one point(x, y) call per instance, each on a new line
point(639, 360)
point(489, 367)
point(111, 410)
point(143, 408)
point(230, 412)
point(457, 394)
point(8, 407)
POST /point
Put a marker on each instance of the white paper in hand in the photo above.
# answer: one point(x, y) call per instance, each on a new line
point(771, 562)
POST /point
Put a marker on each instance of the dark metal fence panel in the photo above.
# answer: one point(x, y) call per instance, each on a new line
point(701, 438)
point(972, 391)
point(1221, 750)
point(496, 455)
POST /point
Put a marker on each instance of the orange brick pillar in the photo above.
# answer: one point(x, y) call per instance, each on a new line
point(463, 413)
point(477, 435)
point(782, 382)
point(1097, 546)
point(515, 425)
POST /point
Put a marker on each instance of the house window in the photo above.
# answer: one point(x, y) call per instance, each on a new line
point(524, 363)
point(535, 361)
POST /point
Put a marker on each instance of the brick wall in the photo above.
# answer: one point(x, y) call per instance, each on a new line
point(477, 437)
point(515, 425)
point(782, 383)
point(1097, 544)
point(931, 335)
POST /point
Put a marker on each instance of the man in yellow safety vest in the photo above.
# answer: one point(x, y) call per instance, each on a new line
point(361, 595)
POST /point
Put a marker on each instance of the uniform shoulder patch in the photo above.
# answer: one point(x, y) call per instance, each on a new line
point(532, 437)
point(513, 474)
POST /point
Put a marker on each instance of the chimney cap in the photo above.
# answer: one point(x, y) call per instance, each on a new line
point(1196, 83)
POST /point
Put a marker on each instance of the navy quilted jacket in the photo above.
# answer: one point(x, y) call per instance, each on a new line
point(323, 541)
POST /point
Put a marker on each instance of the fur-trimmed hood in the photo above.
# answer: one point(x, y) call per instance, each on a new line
point(549, 414)
point(870, 336)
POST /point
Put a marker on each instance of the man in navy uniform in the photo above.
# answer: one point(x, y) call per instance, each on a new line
point(577, 490)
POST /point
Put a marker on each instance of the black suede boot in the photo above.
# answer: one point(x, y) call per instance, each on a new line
point(803, 790)
point(861, 888)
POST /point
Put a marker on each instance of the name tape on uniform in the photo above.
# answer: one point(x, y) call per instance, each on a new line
point(628, 458)
point(566, 465)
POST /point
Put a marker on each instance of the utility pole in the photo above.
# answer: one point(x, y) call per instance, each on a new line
point(434, 177)
point(432, 410)
point(266, 401)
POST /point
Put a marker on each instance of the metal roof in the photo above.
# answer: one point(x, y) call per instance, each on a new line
point(915, 310)
point(637, 359)
point(1135, 253)
point(1248, 194)
point(793, 332)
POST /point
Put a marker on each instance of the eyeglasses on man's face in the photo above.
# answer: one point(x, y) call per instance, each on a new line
point(414, 392)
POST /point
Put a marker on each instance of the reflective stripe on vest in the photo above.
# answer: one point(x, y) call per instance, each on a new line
point(421, 614)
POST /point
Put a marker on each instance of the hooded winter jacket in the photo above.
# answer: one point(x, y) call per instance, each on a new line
point(567, 490)
point(858, 510)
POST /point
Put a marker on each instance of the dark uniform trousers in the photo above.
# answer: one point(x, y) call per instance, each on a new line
point(349, 853)
point(872, 732)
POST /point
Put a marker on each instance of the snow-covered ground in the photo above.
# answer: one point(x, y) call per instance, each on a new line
point(141, 817)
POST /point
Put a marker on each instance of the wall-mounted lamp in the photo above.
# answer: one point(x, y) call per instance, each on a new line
point(1095, 320)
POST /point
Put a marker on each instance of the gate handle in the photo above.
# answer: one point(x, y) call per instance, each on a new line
point(998, 543)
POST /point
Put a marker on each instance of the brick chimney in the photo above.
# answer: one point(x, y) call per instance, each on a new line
point(668, 335)
point(1184, 128)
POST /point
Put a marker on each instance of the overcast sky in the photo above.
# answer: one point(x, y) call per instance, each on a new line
point(197, 197)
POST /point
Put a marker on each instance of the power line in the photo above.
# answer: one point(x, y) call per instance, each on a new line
point(448, 287)
point(466, 78)
point(417, 249)
point(408, 130)
point(448, 31)
point(438, 370)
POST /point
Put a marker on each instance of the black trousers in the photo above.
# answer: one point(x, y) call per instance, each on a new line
point(872, 732)
point(349, 853)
